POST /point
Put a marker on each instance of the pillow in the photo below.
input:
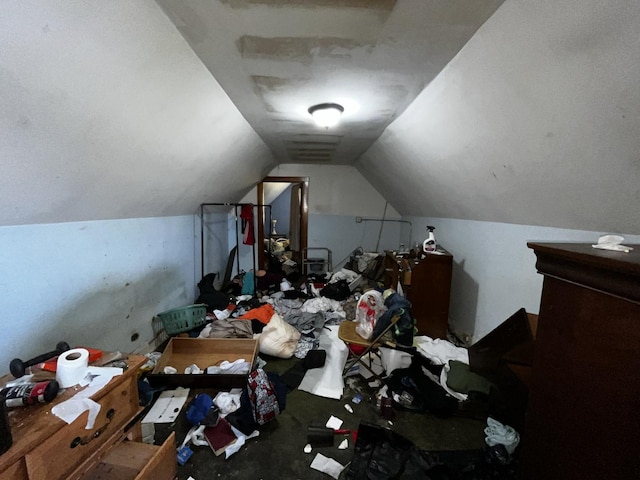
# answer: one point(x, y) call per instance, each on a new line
point(278, 338)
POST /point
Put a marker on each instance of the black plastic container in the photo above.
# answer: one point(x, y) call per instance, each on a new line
point(5, 430)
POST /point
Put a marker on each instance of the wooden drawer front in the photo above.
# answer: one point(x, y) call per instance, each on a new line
point(72, 444)
point(17, 471)
point(138, 461)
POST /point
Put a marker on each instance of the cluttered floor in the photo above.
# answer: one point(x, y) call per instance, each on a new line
point(419, 412)
point(278, 451)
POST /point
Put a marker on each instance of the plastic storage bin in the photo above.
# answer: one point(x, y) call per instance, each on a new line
point(183, 319)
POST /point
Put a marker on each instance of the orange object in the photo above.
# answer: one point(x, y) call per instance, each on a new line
point(263, 313)
point(52, 364)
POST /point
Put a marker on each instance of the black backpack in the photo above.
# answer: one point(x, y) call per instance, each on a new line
point(211, 297)
point(412, 389)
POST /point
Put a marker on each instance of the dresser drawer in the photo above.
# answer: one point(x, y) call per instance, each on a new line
point(17, 471)
point(137, 461)
point(60, 454)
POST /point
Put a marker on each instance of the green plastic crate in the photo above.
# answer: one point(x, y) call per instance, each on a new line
point(183, 319)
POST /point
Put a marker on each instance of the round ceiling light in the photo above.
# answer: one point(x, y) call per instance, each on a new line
point(326, 114)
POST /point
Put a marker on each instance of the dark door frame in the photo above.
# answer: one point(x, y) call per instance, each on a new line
point(304, 214)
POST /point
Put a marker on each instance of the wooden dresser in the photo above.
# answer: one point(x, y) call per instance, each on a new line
point(47, 448)
point(427, 285)
point(583, 419)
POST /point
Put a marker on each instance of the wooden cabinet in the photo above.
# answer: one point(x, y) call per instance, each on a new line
point(137, 461)
point(583, 419)
point(426, 283)
point(46, 447)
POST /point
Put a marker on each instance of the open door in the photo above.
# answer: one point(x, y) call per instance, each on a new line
point(298, 220)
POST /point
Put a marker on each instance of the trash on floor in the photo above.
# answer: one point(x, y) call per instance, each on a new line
point(327, 465)
point(383, 454)
point(167, 407)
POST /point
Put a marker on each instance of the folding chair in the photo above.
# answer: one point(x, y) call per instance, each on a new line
point(347, 333)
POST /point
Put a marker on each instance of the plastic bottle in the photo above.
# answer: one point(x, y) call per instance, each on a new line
point(429, 245)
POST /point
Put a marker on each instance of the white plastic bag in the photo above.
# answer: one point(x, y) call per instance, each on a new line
point(368, 309)
point(278, 338)
point(497, 433)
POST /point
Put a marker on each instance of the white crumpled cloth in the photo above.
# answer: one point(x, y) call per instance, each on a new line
point(612, 242)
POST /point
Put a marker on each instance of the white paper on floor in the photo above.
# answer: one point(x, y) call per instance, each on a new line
point(327, 465)
point(327, 381)
point(167, 406)
point(334, 423)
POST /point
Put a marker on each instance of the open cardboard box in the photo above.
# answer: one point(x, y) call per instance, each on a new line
point(180, 353)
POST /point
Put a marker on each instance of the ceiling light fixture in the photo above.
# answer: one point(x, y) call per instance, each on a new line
point(326, 114)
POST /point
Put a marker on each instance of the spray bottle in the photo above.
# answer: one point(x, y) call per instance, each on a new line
point(429, 245)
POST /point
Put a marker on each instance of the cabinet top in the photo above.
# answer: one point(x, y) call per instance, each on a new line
point(585, 253)
point(614, 273)
point(441, 252)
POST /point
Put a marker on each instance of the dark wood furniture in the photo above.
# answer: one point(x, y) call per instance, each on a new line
point(583, 419)
point(426, 283)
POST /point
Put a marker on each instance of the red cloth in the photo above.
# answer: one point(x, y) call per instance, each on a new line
point(246, 214)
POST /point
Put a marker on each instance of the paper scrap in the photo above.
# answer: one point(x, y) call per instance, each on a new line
point(167, 407)
point(327, 465)
point(334, 422)
point(97, 378)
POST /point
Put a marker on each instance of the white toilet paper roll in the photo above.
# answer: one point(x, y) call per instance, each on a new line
point(72, 367)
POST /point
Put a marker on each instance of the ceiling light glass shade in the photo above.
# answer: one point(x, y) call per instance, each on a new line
point(326, 114)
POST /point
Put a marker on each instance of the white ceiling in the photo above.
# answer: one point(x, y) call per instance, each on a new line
point(276, 58)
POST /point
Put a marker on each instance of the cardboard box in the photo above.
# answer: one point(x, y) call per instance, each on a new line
point(180, 353)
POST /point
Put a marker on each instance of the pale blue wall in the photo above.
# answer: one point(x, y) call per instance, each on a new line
point(92, 283)
point(342, 235)
point(216, 229)
point(494, 271)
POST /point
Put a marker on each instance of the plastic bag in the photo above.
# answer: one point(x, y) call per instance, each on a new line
point(368, 309)
point(497, 433)
point(278, 338)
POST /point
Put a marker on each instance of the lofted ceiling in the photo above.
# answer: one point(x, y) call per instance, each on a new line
point(276, 58)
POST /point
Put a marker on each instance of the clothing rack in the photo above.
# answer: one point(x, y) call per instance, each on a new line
point(235, 207)
point(386, 220)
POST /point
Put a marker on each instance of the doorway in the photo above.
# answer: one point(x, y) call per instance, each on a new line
point(294, 192)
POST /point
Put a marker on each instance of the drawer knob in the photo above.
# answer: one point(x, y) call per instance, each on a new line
point(85, 440)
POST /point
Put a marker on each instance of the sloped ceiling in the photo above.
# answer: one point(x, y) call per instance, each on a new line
point(277, 58)
point(107, 113)
point(529, 115)
point(536, 122)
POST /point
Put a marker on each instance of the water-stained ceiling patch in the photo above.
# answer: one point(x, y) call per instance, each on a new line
point(299, 49)
point(277, 58)
point(265, 86)
point(382, 5)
